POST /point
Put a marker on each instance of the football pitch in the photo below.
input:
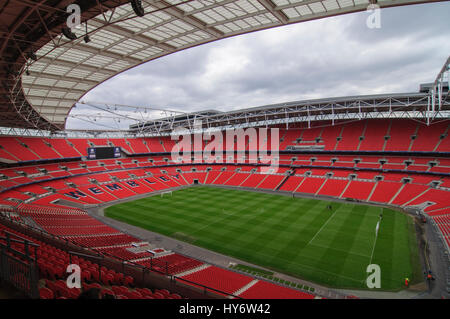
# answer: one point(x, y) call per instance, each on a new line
point(301, 237)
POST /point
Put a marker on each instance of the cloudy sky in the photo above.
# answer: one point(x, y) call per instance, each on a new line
point(330, 57)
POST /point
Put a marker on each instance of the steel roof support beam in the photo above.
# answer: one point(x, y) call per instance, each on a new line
point(66, 78)
point(53, 88)
point(186, 17)
point(72, 65)
point(128, 34)
point(271, 7)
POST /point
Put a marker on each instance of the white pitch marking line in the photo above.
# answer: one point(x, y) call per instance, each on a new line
point(345, 251)
point(322, 227)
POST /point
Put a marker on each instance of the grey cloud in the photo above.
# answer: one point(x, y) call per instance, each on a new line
point(337, 56)
point(415, 22)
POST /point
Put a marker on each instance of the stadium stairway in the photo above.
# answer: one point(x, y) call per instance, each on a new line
point(246, 287)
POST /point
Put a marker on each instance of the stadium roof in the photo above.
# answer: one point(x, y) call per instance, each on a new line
point(44, 74)
point(380, 106)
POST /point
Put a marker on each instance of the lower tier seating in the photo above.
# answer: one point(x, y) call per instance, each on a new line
point(276, 292)
point(47, 207)
point(220, 279)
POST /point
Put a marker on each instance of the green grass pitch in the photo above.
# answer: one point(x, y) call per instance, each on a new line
point(296, 236)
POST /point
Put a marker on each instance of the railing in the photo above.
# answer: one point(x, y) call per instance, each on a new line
point(443, 249)
point(366, 169)
point(18, 268)
point(143, 276)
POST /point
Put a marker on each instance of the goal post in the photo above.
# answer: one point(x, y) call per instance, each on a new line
point(377, 228)
point(166, 193)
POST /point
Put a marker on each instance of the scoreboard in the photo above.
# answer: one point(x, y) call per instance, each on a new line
point(103, 152)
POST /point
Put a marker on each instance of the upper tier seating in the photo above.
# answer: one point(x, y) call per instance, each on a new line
point(364, 135)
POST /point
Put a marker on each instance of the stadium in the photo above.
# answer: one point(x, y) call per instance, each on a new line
point(331, 198)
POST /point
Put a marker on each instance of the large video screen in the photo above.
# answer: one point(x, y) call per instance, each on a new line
point(103, 152)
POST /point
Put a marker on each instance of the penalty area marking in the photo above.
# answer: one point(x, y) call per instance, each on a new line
point(215, 221)
point(227, 214)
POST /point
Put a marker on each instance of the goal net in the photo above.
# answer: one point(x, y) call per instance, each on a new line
point(168, 193)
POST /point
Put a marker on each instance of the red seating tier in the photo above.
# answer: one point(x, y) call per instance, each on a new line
point(267, 290)
point(219, 279)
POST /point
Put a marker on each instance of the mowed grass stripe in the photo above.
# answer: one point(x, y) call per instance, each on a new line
point(267, 230)
point(276, 232)
point(247, 223)
point(341, 260)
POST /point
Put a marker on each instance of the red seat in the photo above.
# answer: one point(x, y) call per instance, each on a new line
point(45, 293)
point(74, 293)
point(124, 289)
point(118, 278)
point(134, 295)
point(55, 272)
point(50, 285)
point(86, 275)
point(86, 286)
point(128, 280)
point(158, 295)
point(43, 269)
point(94, 275)
point(107, 279)
point(164, 292)
point(61, 290)
point(92, 269)
point(117, 290)
point(144, 291)
point(107, 291)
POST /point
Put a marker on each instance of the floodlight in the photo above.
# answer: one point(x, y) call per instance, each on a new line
point(137, 7)
point(69, 34)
